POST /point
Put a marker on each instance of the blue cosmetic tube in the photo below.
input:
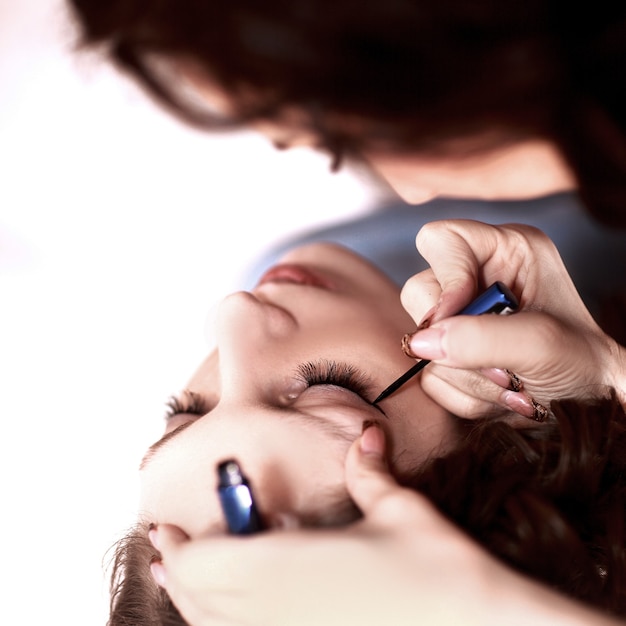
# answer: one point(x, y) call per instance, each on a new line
point(235, 494)
point(497, 299)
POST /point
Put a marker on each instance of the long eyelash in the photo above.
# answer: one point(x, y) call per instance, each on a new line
point(332, 373)
point(186, 402)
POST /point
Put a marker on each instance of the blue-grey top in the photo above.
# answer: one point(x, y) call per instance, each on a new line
point(594, 255)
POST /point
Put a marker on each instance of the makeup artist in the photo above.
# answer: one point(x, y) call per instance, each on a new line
point(491, 100)
point(439, 99)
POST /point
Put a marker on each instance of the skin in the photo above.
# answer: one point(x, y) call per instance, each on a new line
point(467, 378)
point(402, 550)
point(292, 439)
point(523, 170)
point(563, 353)
point(481, 167)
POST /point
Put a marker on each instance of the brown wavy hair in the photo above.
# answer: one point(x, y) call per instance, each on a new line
point(416, 73)
point(548, 500)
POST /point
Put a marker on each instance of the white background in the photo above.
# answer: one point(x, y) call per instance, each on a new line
point(119, 230)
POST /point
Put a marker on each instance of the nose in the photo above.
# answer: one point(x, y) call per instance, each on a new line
point(254, 316)
point(251, 336)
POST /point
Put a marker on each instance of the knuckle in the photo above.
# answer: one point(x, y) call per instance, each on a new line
point(525, 240)
point(424, 232)
point(432, 231)
point(465, 393)
point(526, 232)
point(481, 409)
point(420, 291)
point(413, 283)
point(472, 406)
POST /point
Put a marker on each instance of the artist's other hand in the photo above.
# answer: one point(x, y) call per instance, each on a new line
point(402, 564)
point(553, 344)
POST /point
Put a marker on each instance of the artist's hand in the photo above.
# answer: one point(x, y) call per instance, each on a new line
point(402, 564)
point(553, 345)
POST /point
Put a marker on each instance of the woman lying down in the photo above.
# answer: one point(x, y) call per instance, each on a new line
point(288, 391)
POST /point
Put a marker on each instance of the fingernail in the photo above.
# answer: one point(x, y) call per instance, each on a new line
point(540, 413)
point(427, 344)
point(372, 439)
point(515, 384)
point(519, 403)
point(406, 346)
point(158, 572)
point(505, 378)
point(153, 536)
point(406, 340)
point(528, 407)
point(497, 375)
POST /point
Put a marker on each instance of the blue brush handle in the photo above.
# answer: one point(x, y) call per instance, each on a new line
point(497, 299)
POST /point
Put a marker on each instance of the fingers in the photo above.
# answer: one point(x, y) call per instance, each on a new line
point(182, 564)
point(177, 570)
point(381, 500)
point(558, 352)
point(471, 395)
point(214, 581)
point(465, 253)
point(465, 393)
point(209, 563)
point(457, 269)
point(367, 476)
point(488, 341)
point(420, 296)
point(167, 537)
point(552, 359)
point(503, 377)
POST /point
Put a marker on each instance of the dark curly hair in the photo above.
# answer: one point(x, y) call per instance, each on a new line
point(548, 500)
point(414, 74)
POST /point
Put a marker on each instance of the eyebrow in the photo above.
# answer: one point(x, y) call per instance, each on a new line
point(155, 447)
point(331, 428)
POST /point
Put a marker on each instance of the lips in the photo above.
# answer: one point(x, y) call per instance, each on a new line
point(294, 274)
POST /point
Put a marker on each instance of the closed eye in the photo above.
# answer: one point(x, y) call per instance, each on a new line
point(187, 403)
point(325, 372)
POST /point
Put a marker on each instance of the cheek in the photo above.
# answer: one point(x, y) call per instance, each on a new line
point(172, 498)
point(412, 183)
point(361, 322)
point(424, 430)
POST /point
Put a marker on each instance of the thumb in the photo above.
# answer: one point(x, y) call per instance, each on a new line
point(457, 270)
point(367, 475)
point(382, 501)
point(167, 537)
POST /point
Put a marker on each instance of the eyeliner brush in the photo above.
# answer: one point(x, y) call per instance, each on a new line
point(396, 384)
point(497, 299)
